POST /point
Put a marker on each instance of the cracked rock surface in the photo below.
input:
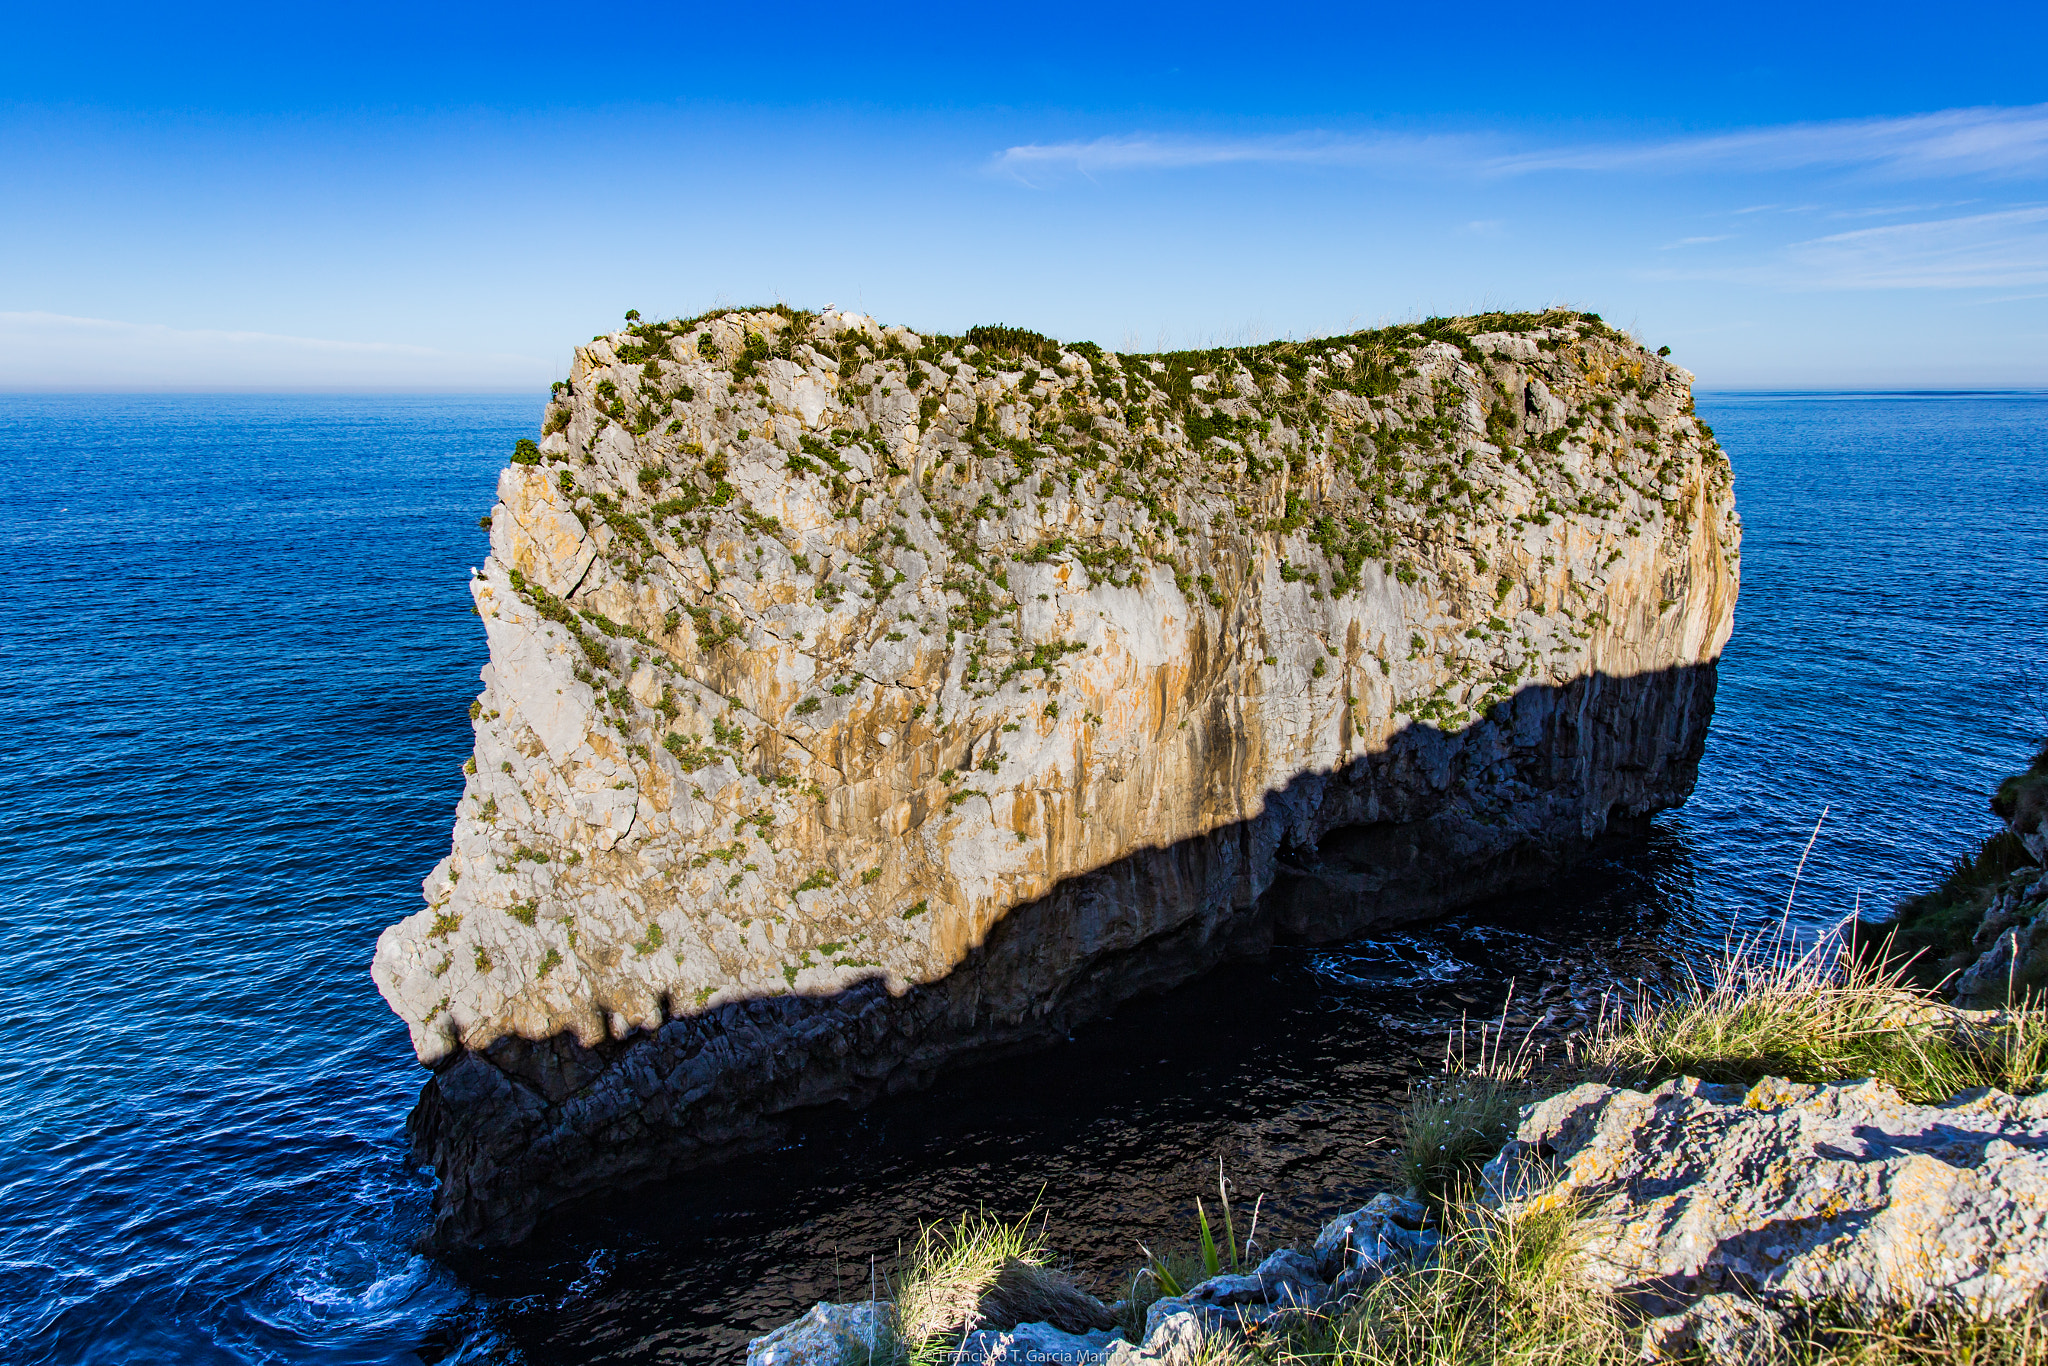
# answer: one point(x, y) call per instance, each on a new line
point(859, 700)
point(1719, 1209)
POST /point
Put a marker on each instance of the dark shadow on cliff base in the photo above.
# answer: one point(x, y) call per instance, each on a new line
point(1434, 822)
point(1289, 1068)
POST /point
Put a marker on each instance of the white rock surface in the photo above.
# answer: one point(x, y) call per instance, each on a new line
point(1036, 1344)
point(1790, 1194)
point(1354, 1250)
point(857, 701)
point(829, 1335)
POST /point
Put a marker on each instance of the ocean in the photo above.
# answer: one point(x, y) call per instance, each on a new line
point(239, 655)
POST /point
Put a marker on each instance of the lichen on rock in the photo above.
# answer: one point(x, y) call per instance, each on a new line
point(860, 699)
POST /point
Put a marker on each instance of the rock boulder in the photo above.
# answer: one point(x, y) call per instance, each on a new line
point(1721, 1209)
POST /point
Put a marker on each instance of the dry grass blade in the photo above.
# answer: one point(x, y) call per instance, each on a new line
point(1815, 1014)
point(938, 1291)
point(1502, 1292)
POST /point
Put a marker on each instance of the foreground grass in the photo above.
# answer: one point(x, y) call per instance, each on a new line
point(1505, 1292)
point(978, 1272)
point(1511, 1293)
point(1501, 1291)
point(1820, 1014)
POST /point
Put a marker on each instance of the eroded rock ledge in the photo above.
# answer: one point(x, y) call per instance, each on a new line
point(860, 700)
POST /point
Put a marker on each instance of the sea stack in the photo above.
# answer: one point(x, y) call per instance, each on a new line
point(862, 701)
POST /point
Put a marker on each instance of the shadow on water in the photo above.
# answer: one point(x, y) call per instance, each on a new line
point(1289, 1069)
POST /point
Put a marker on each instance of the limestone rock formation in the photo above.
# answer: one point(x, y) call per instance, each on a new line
point(861, 700)
point(1289, 1289)
point(1721, 1209)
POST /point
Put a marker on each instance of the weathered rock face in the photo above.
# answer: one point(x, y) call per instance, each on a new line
point(2007, 955)
point(1979, 933)
point(860, 700)
point(1698, 1197)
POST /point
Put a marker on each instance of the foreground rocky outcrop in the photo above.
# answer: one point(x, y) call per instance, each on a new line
point(1727, 1213)
point(861, 700)
point(1720, 1218)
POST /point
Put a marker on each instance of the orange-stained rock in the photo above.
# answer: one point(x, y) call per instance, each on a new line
point(837, 725)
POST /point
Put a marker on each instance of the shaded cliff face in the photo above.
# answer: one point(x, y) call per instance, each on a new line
point(860, 699)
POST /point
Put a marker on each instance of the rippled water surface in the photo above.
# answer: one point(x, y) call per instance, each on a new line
point(239, 656)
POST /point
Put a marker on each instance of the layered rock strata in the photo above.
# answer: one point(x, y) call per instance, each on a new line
point(860, 700)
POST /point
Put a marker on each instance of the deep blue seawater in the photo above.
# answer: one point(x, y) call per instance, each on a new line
point(238, 655)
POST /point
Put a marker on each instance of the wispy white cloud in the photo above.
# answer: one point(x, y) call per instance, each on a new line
point(1983, 141)
point(1978, 142)
point(2008, 299)
point(55, 350)
point(1165, 152)
point(1894, 210)
point(2001, 250)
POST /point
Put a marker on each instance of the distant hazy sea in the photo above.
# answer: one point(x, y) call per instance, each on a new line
point(238, 656)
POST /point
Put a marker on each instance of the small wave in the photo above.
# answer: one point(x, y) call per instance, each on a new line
point(1398, 961)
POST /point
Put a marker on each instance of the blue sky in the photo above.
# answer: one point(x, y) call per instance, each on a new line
point(379, 197)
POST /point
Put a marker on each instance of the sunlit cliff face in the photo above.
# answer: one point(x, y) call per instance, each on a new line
point(819, 648)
